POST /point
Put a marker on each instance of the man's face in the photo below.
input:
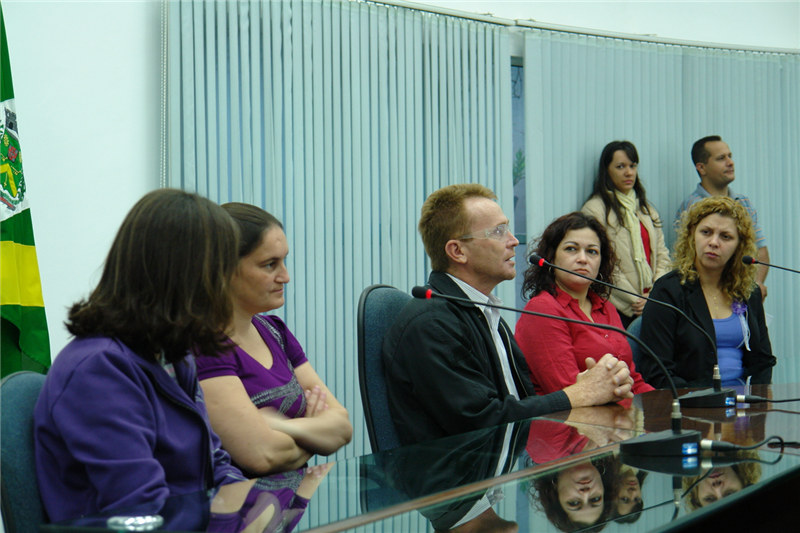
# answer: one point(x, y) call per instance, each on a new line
point(718, 170)
point(489, 260)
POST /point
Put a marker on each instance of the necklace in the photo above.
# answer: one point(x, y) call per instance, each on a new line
point(716, 305)
point(707, 292)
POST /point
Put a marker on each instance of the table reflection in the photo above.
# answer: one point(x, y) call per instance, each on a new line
point(585, 493)
point(269, 504)
point(722, 481)
point(630, 503)
point(538, 475)
point(744, 424)
point(590, 487)
point(428, 469)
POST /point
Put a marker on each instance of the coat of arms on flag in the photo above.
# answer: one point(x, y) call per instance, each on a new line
point(12, 182)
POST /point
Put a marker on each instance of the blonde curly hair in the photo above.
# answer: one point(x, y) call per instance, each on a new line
point(738, 280)
point(749, 473)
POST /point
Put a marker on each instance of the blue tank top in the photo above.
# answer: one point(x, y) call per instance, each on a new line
point(729, 349)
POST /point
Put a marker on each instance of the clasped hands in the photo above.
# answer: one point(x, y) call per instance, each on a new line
point(610, 378)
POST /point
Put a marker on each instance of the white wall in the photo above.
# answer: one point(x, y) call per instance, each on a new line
point(87, 83)
point(769, 24)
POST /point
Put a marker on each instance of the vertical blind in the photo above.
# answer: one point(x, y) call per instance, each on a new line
point(582, 92)
point(340, 118)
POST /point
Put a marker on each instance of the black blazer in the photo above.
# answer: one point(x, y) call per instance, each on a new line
point(686, 352)
point(443, 374)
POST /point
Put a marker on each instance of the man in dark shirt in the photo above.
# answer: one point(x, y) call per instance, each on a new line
point(453, 367)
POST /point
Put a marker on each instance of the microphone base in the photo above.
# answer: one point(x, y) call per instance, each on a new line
point(664, 444)
point(674, 466)
point(708, 398)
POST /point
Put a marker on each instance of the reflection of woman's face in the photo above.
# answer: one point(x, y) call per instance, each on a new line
point(257, 285)
point(580, 493)
point(630, 494)
point(721, 483)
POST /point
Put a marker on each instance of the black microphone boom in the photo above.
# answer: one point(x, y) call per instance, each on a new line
point(718, 397)
point(674, 442)
point(747, 260)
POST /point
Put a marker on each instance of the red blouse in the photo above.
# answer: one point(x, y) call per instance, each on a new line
point(556, 351)
point(549, 441)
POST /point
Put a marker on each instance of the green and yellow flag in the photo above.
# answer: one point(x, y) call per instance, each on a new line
point(23, 326)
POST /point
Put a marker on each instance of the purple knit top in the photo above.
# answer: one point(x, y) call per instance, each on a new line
point(276, 387)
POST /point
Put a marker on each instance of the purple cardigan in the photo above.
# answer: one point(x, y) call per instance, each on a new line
point(113, 430)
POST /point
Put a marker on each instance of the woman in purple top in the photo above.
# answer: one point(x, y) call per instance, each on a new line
point(266, 402)
point(121, 419)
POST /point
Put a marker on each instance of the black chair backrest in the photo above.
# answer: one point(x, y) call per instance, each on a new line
point(635, 328)
point(378, 307)
point(22, 506)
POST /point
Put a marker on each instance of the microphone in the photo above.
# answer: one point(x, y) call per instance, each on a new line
point(718, 397)
point(424, 294)
point(747, 260)
point(674, 442)
point(688, 466)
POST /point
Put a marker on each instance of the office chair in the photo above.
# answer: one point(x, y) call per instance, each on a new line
point(377, 309)
point(22, 506)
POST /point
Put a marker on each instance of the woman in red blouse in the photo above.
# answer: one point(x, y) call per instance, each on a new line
point(557, 351)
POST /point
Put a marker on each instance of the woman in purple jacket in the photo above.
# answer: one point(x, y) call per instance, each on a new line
point(121, 419)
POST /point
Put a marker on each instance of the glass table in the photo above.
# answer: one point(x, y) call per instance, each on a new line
point(537, 475)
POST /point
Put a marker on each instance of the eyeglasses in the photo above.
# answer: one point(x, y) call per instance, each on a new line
point(497, 233)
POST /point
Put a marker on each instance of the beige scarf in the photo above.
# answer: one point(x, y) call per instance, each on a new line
point(630, 204)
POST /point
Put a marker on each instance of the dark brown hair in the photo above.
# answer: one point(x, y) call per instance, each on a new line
point(543, 493)
point(636, 510)
point(164, 288)
point(604, 186)
point(538, 279)
point(253, 223)
point(699, 152)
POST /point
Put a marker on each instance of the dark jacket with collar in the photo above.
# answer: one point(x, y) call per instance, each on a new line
point(426, 469)
point(443, 375)
point(686, 352)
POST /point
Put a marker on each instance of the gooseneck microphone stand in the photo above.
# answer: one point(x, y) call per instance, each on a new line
point(747, 260)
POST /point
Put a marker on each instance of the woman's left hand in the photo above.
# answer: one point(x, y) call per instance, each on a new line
point(638, 306)
point(315, 402)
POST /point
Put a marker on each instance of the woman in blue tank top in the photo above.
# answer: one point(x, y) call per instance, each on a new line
point(716, 290)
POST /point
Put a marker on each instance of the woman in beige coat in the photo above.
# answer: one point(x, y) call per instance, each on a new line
point(619, 202)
